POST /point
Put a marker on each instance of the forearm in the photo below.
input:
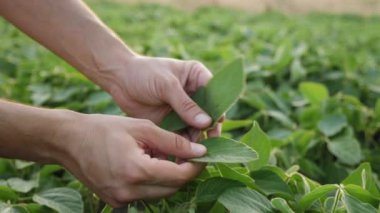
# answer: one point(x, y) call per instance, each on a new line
point(71, 30)
point(31, 133)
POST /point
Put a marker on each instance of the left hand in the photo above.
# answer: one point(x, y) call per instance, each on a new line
point(150, 88)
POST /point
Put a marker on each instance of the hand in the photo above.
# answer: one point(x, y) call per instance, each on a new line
point(149, 88)
point(115, 157)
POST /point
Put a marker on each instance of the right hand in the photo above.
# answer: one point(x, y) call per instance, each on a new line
point(115, 157)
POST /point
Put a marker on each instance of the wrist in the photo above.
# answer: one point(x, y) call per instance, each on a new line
point(60, 138)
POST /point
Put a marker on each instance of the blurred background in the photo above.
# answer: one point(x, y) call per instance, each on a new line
point(361, 7)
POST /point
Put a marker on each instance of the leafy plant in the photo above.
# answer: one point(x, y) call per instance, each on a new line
point(305, 131)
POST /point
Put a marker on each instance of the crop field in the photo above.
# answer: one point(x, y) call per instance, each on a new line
point(302, 135)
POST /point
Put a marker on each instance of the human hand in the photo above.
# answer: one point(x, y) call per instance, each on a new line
point(149, 88)
point(119, 158)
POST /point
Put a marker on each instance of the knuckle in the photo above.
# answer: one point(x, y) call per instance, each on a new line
point(147, 124)
point(170, 82)
point(188, 105)
point(179, 142)
point(195, 65)
point(135, 177)
point(121, 197)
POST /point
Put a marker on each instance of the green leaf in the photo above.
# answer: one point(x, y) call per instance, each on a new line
point(362, 194)
point(238, 200)
point(7, 208)
point(258, 141)
point(229, 125)
point(377, 110)
point(315, 93)
point(354, 205)
point(217, 97)
point(270, 183)
point(230, 173)
point(60, 199)
point(346, 149)
point(281, 205)
point(20, 185)
point(7, 193)
point(363, 177)
point(316, 194)
point(331, 124)
point(212, 188)
point(20, 164)
point(223, 150)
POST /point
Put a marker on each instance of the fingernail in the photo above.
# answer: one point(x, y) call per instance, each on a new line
point(198, 149)
point(202, 118)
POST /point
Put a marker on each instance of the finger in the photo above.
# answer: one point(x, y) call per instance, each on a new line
point(167, 173)
point(198, 75)
point(128, 194)
point(186, 108)
point(172, 144)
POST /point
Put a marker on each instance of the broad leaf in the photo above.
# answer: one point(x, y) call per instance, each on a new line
point(362, 194)
point(238, 200)
point(354, 205)
point(229, 125)
point(7, 193)
point(281, 205)
point(331, 124)
point(259, 141)
point(346, 149)
point(217, 97)
point(316, 194)
point(20, 185)
point(230, 173)
point(270, 183)
point(62, 200)
point(315, 93)
point(223, 150)
point(363, 177)
point(212, 188)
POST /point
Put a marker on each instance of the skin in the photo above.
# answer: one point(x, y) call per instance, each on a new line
point(120, 159)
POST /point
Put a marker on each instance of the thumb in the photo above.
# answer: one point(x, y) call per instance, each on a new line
point(187, 109)
point(173, 144)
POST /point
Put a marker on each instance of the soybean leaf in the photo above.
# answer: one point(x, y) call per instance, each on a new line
point(212, 188)
point(270, 183)
point(7, 193)
point(223, 150)
point(20, 164)
point(7, 208)
point(259, 141)
point(281, 205)
point(230, 173)
point(229, 125)
point(316, 194)
point(60, 199)
point(315, 93)
point(362, 194)
point(363, 177)
point(20, 185)
point(217, 208)
point(346, 149)
point(239, 199)
point(217, 97)
point(354, 205)
point(331, 124)
point(377, 110)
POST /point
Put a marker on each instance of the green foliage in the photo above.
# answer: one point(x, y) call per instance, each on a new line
point(310, 110)
point(224, 150)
